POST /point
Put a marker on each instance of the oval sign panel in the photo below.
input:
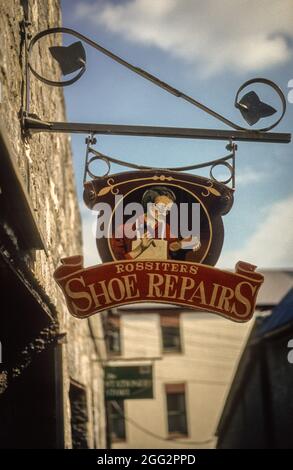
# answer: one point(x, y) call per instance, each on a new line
point(159, 233)
point(181, 213)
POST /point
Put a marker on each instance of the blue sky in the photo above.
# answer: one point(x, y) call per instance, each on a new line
point(207, 50)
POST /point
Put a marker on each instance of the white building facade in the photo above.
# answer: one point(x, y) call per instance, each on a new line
point(194, 357)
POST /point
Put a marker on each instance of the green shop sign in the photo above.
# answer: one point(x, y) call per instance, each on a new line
point(128, 382)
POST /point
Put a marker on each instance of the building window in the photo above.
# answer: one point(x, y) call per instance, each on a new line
point(113, 335)
point(176, 409)
point(79, 416)
point(170, 328)
point(117, 421)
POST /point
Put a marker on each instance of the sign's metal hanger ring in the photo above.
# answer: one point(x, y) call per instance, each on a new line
point(93, 155)
point(72, 59)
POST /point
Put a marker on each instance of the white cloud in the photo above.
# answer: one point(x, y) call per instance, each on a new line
point(246, 175)
point(216, 36)
point(271, 245)
point(250, 175)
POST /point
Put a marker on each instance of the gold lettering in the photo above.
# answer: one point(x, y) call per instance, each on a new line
point(242, 299)
point(169, 286)
point(226, 295)
point(202, 294)
point(185, 286)
point(149, 266)
point(155, 280)
point(121, 289)
point(174, 268)
point(214, 295)
point(104, 293)
point(129, 285)
point(119, 268)
point(183, 268)
point(165, 266)
point(193, 269)
point(129, 267)
point(78, 295)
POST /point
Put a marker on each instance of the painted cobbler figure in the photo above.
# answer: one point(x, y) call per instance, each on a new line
point(150, 235)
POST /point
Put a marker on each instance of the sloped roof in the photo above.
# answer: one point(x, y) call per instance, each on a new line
point(276, 285)
point(281, 315)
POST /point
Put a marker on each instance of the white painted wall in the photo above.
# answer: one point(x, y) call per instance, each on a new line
point(211, 349)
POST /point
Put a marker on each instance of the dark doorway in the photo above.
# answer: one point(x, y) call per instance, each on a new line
point(79, 415)
point(27, 407)
point(31, 404)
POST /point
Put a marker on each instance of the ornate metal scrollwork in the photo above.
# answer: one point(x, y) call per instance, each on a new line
point(72, 58)
point(227, 161)
point(254, 109)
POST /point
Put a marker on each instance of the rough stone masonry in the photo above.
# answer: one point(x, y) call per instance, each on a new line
point(45, 163)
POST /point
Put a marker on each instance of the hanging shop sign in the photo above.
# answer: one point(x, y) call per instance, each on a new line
point(128, 382)
point(159, 233)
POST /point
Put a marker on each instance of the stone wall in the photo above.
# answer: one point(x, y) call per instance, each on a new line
point(45, 163)
point(44, 160)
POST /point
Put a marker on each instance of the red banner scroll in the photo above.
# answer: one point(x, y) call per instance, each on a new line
point(97, 288)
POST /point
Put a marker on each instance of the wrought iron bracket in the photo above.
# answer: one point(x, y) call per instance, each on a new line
point(33, 124)
point(73, 59)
